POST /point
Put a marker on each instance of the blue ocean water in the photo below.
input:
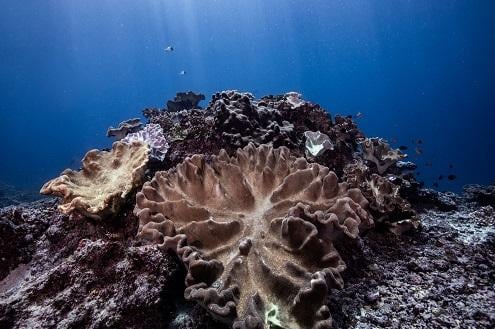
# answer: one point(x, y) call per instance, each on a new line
point(415, 69)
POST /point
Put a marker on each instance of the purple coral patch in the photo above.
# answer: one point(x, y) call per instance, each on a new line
point(152, 135)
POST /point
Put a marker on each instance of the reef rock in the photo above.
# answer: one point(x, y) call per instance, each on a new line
point(256, 233)
point(61, 272)
point(484, 195)
point(13, 195)
point(105, 179)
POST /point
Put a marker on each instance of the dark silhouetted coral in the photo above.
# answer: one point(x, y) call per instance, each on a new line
point(185, 101)
point(124, 128)
point(255, 232)
point(242, 120)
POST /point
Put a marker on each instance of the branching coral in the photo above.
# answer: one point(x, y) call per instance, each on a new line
point(255, 232)
point(379, 152)
point(125, 127)
point(105, 179)
point(151, 135)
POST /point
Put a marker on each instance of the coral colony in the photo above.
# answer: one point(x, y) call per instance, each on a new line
point(261, 200)
point(251, 219)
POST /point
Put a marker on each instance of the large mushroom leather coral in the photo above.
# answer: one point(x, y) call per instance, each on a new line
point(255, 232)
point(105, 179)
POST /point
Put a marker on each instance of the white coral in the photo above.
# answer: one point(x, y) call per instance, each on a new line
point(317, 143)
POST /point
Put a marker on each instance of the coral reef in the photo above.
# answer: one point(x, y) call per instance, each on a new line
point(378, 151)
point(185, 101)
point(105, 179)
point(255, 232)
point(234, 119)
point(151, 135)
point(124, 128)
point(251, 216)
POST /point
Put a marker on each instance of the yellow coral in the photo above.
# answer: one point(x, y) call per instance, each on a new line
point(105, 179)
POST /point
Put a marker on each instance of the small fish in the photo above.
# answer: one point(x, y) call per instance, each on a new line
point(418, 151)
point(403, 147)
point(183, 72)
point(359, 115)
point(440, 177)
point(419, 141)
point(428, 164)
point(418, 173)
point(451, 177)
point(435, 185)
point(451, 166)
point(169, 49)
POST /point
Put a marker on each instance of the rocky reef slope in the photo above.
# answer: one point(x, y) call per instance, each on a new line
point(63, 273)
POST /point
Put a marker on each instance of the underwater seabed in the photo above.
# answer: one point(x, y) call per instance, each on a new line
point(249, 213)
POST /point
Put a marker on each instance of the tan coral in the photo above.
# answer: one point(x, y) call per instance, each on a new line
point(255, 232)
point(105, 179)
point(379, 152)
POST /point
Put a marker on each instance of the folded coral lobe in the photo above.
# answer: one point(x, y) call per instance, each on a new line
point(255, 232)
point(106, 177)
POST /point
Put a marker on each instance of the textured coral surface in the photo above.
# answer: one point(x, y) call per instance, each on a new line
point(255, 232)
point(151, 135)
point(379, 152)
point(103, 182)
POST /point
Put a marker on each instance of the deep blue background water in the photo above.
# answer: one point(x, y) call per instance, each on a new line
point(415, 69)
